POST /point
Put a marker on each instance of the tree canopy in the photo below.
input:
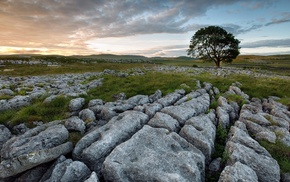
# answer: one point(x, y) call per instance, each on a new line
point(213, 43)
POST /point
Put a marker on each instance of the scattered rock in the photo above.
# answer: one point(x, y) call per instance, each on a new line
point(76, 104)
point(154, 154)
point(162, 120)
point(75, 124)
point(5, 134)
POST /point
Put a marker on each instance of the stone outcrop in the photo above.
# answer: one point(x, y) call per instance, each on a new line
point(143, 138)
point(154, 154)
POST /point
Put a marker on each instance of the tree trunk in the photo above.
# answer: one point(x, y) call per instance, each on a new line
point(218, 63)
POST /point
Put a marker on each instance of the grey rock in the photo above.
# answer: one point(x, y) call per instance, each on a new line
point(151, 109)
point(5, 135)
point(49, 99)
point(6, 91)
point(215, 165)
point(4, 105)
point(34, 174)
point(138, 100)
point(154, 97)
point(200, 132)
point(69, 170)
point(199, 104)
point(188, 97)
point(87, 115)
point(223, 117)
point(119, 96)
point(24, 162)
point(19, 101)
point(96, 145)
point(238, 91)
point(95, 83)
point(241, 147)
point(238, 173)
point(161, 120)
point(181, 114)
point(95, 102)
point(154, 154)
point(76, 104)
point(92, 178)
point(170, 99)
point(75, 124)
point(20, 129)
point(207, 86)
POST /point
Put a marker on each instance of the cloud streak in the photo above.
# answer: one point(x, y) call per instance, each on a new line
point(69, 24)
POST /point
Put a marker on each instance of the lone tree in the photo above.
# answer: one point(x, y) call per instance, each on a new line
point(213, 43)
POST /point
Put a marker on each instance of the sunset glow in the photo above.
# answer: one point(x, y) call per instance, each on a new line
point(138, 27)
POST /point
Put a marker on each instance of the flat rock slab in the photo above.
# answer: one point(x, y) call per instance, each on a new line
point(96, 145)
point(154, 154)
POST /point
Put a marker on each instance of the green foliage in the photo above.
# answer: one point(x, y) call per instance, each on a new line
point(220, 141)
point(236, 98)
point(142, 84)
point(279, 152)
point(37, 111)
point(214, 44)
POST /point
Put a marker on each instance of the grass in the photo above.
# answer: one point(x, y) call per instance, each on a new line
point(280, 153)
point(37, 111)
point(142, 84)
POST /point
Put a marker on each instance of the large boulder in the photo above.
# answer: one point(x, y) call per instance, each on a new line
point(242, 148)
point(200, 132)
point(96, 145)
point(19, 101)
point(238, 172)
point(154, 154)
point(39, 145)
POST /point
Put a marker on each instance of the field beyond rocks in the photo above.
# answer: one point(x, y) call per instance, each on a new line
point(145, 122)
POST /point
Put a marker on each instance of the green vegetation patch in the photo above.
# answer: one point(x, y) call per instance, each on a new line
point(37, 111)
point(280, 152)
point(142, 84)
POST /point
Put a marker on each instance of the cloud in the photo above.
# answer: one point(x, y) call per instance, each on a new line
point(267, 43)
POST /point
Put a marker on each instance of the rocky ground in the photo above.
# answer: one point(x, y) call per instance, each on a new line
point(144, 138)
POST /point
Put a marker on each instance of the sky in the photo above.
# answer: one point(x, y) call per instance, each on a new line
point(139, 27)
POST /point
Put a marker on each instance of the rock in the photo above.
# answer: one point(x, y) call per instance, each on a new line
point(238, 172)
point(76, 104)
point(215, 165)
point(161, 120)
point(36, 146)
point(238, 91)
point(49, 99)
point(154, 154)
point(19, 101)
point(24, 162)
point(223, 117)
point(151, 109)
point(119, 96)
point(200, 132)
point(69, 170)
point(87, 115)
point(181, 114)
point(96, 145)
point(75, 124)
point(188, 97)
point(95, 83)
point(4, 105)
point(34, 174)
point(242, 148)
point(5, 135)
point(154, 97)
point(95, 102)
point(170, 98)
point(92, 178)
point(207, 86)
point(199, 104)
point(20, 129)
point(138, 100)
point(6, 91)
